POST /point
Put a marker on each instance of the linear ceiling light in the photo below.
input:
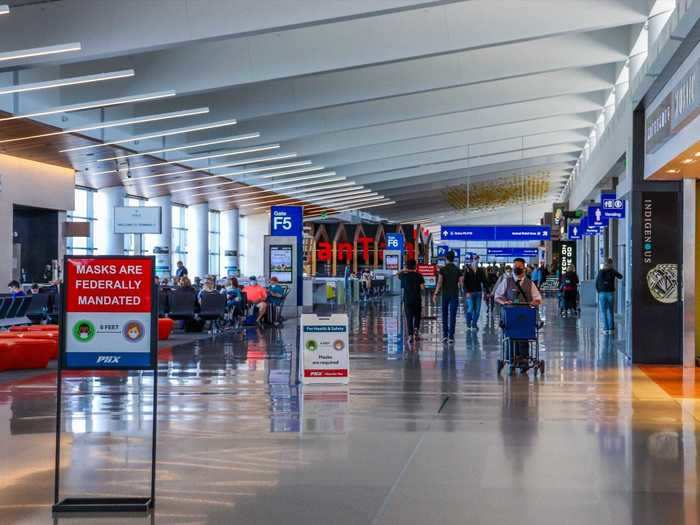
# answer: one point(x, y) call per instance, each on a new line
point(39, 51)
point(254, 182)
point(235, 138)
point(4, 9)
point(116, 123)
point(207, 168)
point(253, 170)
point(282, 188)
point(306, 195)
point(272, 198)
point(256, 185)
point(348, 199)
point(167, 133)
point(93, 105)
point(316, 205)
point(62, 82)
point(308, 217)
point(253, 189)
point(229, 153)
point(309, 197)
point(327, 187)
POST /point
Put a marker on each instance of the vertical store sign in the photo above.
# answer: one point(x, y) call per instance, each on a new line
point(566, 252)
point(109, 315)
point(288, 221)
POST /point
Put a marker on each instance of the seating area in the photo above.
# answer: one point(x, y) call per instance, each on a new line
point(25, 347)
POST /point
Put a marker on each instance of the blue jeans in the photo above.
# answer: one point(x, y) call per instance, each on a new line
point(449, 315)
point(473, 308)
point(605, 304)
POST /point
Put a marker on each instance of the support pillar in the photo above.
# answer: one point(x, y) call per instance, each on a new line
point(198, 241)
point(229, 243)
point(106, 241)
point(689, 270)
point(161, 244)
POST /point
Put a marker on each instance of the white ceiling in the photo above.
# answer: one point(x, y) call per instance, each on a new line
point(405, 97)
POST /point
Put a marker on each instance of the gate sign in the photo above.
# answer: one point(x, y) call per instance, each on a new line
point(394, 241)
point(575, 233)
point(596, 217)
point(287, 221)
point(613, 208)
point(110, 313)
point(442, 252)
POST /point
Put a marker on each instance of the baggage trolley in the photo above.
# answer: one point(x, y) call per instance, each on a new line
point(520, 325)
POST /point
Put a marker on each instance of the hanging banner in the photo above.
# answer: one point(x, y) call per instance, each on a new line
point(596, 217)
point(325, 353)
point(109, 316)
point(574, 232)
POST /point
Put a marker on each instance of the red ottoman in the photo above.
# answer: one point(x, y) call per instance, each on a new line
point(165, 326)
point(42, 328)
point(6, 357)
point(31, 353)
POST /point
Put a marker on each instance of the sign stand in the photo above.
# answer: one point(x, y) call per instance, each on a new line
point(103, 349)
point(323, 350)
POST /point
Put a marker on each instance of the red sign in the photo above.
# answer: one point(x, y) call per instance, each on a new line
point(427, 270)
point(345, 250)
point(109, 285)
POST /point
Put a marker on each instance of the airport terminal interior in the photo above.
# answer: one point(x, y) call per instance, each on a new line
point(327, 262)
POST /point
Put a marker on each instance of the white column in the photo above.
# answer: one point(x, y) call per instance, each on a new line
point(640, 50)
point(661, 12)
point(106, 241)
point(689, 269)
point(229, 241)
point(198, 241)
point(158, 243)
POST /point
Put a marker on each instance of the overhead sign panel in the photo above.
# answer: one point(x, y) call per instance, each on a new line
point(512, 252)
point(394, 241)
point(613, 208)
point(574, 232)
point(495, 233)
point(596, 217)
point(137, 219)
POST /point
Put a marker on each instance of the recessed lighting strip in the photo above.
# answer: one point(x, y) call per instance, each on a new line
point(200, 144)
point(207, 168)
point(277, 190)
point(254, 185)
point(253, 189)
point(345, 208)
point(359, 200)
point(323, 187)
point(93, 105)
point(307, 197)
point(39, 51)
point(249, 181)
point(167, 133)
point(63, 82)
point(253, 170)
point(194, 159)
point(115, 123)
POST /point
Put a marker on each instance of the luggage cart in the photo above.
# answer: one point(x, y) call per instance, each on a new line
point(520, 325)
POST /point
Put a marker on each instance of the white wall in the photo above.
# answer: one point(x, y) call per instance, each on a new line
point(30, 183)
point(252, 243)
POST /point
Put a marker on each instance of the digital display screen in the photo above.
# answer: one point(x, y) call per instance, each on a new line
point(391, 262)
point(281, 263)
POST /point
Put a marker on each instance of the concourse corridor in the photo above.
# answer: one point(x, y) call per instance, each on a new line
point(428, 435)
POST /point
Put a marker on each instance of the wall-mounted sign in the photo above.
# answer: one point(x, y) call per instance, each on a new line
point(675, 111)
point(109, 315)
point(596, 217)
point(574, 232)
point(281, 264)
point(394, 241)
point(495, 233)
point(613, 208)
point(137, 219)
point(565, 252)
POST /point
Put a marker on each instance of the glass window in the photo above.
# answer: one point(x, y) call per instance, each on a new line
point(179, 235)
point(84, 210)
point(214, 242)
point(133, 242)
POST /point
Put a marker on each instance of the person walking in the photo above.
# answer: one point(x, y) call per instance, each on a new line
point(605, 286)
point(448, 285)
point(413, 285)
point(569, 289)
point(475, 284)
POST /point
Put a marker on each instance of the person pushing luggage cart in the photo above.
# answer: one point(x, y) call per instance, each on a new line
point(520, 298)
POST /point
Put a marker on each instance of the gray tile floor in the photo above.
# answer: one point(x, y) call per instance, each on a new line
point(594, 442)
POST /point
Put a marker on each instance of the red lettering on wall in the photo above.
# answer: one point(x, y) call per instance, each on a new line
point(324, 251)
point(345, 251)
point(365, 242)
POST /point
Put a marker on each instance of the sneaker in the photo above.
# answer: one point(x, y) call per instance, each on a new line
point(445, 339)
point(451, 341)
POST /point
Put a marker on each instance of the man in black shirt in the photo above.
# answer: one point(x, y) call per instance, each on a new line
point(413, 285)
point(448, 284)
point(475, 284)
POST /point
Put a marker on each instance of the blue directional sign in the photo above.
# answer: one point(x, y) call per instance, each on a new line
point(613, 208)
point(575, 233)
point(512, 252)
point(394, 241)
point(523, 233)
point(442, 251)
point(287, 221)
point(495, 233)
point(467, 233)
point(588, 229)
point(596, 217)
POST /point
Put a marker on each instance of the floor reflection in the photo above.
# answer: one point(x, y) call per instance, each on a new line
point(422, 434)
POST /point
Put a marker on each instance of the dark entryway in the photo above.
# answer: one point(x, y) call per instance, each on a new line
point(36, 242)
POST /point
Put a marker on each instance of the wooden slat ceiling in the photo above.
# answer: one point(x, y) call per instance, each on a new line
point(86, 164)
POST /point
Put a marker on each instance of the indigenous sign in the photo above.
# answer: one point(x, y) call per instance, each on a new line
point(325, 355)
point(109, 315)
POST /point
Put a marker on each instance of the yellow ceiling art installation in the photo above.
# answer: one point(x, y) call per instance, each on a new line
point(496, 193)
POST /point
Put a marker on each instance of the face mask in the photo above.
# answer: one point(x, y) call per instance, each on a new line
point(519, 271)
point(509, 273)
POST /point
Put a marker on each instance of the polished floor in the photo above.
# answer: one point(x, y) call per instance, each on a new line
point(424, 435)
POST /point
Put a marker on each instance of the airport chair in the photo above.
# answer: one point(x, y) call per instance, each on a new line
point(5, 303)
point(274, 312)
point(163, 303)
point(182, 304)
point(212, 308)
point(38, 308)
